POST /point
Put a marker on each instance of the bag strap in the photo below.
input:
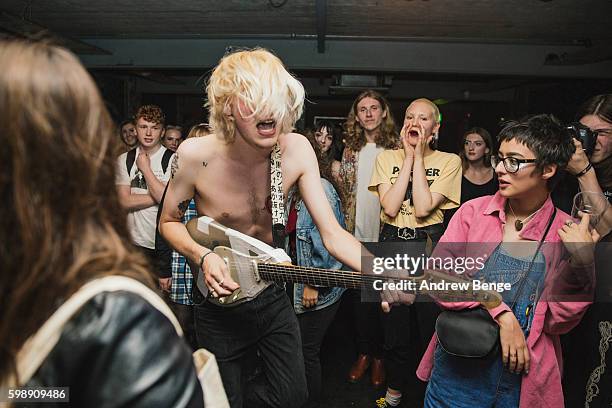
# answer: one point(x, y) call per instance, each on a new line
point(277, 198)
point(524, 278)
point(130, 158)
point(36, 349)
point(166, 159)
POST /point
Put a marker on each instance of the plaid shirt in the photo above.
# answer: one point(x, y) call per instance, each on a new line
point(182, 278)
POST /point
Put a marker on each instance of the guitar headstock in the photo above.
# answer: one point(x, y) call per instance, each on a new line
point(457, 288)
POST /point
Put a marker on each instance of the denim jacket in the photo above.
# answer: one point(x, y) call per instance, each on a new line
point(312, 253)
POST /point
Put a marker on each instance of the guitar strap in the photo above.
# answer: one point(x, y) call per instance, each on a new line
point(277, 198)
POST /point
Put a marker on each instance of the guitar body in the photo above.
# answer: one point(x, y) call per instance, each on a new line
point(239, 251)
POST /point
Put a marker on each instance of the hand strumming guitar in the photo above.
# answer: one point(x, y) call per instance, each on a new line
point(217, 276)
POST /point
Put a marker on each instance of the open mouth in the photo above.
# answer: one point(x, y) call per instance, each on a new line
point(266, 125)
point(413, 133)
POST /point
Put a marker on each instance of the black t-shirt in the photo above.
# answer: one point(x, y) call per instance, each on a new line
point(469, 190)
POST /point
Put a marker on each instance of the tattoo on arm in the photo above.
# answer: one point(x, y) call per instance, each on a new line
point(174, 165)
point(182, 207)
point(204, 164)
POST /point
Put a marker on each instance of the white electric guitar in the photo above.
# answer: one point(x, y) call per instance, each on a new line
point(254, 265)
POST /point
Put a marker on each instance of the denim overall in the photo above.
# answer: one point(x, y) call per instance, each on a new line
point(483, 383)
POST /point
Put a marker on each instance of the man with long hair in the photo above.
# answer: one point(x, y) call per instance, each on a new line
point(253, 104)
point(370, 129)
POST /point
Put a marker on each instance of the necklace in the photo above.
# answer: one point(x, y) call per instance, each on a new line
point(519, 224)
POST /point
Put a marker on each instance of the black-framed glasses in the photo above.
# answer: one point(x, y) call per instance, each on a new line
point(511, 164)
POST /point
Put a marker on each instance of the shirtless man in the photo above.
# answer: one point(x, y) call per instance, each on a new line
point(253, 104)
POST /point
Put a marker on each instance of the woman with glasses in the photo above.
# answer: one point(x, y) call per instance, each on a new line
point(526, 372)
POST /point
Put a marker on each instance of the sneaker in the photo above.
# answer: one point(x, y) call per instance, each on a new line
point(381, 403)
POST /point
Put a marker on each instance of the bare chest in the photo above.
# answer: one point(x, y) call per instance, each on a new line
point(237, 197)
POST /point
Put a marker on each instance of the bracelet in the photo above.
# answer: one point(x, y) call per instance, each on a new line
point(202, 258)
point(585, 171)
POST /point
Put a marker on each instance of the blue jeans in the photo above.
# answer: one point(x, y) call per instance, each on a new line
point(462, 382)
point(459, 382)
point(268, 324)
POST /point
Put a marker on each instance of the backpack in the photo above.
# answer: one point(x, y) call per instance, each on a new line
point(130, 158)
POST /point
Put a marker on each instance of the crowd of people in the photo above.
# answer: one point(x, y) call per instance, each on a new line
point(91, 203)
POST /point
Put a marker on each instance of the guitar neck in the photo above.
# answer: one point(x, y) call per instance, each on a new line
point(311, 276)
point(317, 277)
point(354, 280)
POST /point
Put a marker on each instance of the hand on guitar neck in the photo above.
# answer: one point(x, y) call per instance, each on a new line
point(465, 293)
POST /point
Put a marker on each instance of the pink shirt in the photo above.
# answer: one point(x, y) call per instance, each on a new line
point(481, 221)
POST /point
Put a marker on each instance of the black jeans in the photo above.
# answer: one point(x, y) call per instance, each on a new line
point(313, 326)
point(267, 323)
point(408, 328)
point(368, 318)
point(184, 314)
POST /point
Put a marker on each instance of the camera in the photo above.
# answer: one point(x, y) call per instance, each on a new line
point(585, 135)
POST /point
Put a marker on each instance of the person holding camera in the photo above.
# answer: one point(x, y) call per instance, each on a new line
point(587, 367)
point(591, 163)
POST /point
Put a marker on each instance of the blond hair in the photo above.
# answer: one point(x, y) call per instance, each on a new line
point(434, 107)
point(259, 79)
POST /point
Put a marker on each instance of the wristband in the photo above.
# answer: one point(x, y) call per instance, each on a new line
point(585, 171)
point(202, 258)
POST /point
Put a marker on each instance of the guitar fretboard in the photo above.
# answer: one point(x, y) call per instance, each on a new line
point(313, 276)
point(355, 280)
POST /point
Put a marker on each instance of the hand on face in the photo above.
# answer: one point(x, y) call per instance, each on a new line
point(408, 148)
point(422, 140)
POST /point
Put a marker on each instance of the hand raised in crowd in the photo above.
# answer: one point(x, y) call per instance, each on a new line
point(579, 240)
point(579, 160)
point(143, 161)
point(310, 296)
point(515, 354)
point(217, 276)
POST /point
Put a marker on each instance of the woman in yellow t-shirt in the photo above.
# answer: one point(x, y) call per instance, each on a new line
point(414, 184)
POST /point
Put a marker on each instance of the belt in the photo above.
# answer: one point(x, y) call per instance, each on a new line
point(408, 234)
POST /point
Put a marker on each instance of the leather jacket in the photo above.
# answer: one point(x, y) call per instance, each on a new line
point(119, 351)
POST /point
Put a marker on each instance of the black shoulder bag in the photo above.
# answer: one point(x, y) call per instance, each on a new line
point(472, 333)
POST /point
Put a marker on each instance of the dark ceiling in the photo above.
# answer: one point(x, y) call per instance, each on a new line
point(512, 21)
